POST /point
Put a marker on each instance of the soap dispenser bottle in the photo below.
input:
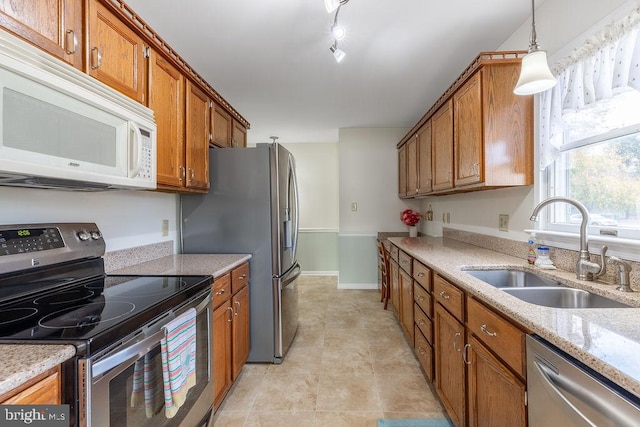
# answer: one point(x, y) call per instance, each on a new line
point(531, 255)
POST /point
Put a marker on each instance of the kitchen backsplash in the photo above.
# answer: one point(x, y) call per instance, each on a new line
point(562, 258)
point(127, 257)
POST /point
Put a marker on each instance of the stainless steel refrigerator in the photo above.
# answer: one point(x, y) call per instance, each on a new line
point(252, 207)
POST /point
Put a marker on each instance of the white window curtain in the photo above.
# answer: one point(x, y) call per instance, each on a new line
point(607, 65)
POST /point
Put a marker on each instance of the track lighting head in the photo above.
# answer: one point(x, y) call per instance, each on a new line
point(337, 53)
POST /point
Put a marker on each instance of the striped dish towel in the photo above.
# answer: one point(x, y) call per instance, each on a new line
point(178, 349)
point(147, 384)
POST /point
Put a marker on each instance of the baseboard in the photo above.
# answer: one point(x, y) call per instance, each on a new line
point(319, 273)
point(365, 286)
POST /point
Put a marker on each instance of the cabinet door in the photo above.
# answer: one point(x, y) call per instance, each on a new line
point(395, 288)
point(222, 320)
point(468, 132)
point(442, 146)
point(54, 26)
point(166, 99)
point(406, 301)
point(116, 53)
point(239, 135)
point(45, 391)
point(424, 159)
point(240, 304)
point(412, 166)
point(197, 137)
point(402, 171)
point(221, 126)
point(496, 396)
point(449, 366)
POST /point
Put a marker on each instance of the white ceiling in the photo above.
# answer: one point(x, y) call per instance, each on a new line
point(270, 58)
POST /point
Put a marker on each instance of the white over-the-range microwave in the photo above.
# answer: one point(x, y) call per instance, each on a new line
point(60, 128)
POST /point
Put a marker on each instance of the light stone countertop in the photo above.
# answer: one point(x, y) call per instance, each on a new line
point(21, 362)
point(607, 339)
point(187, 264)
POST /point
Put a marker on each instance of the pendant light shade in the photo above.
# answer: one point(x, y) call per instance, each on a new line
point(535, 76)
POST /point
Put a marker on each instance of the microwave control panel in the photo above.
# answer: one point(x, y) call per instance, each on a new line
point(146, 167)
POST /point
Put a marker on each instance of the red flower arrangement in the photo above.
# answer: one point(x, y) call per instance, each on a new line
point(410, 217)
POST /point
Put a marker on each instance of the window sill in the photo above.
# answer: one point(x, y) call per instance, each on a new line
point(627, 249)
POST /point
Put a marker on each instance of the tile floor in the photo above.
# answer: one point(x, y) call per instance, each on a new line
point(349, 365)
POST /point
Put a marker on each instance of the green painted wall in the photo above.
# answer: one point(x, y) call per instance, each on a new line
point(318, 252)
point(358, 261)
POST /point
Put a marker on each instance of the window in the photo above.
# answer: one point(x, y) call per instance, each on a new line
point(589, 133)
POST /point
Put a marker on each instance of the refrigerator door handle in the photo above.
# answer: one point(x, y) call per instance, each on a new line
point(292, 174)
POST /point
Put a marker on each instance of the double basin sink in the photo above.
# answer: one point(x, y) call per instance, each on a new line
point(535, 289)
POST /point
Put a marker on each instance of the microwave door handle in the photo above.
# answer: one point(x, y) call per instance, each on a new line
point(134, 132)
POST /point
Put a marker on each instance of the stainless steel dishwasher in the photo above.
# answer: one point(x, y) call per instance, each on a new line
point(564, 392)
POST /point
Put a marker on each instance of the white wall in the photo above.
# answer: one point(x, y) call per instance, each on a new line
point(558, 24)
point(126, 218)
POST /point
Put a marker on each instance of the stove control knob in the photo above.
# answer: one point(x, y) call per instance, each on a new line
point(96, 235)
point(84, 235)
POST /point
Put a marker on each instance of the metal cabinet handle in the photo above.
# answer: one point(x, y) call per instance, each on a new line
point(455, 340)
point(464, 354)
point(420, 298)
point(421, 350)
point(192, 174)
point(96, 58)
point(221, 291)
point(71, 40)
point(420, 274)
point(421, 322)
point(476, 169)
point(444, 295)
point(183, 173)
point(238, 304)
point(230, 319)
point(484, 329)
point(244, 276)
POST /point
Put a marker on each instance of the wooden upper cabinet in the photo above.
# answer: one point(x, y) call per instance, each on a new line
point(238, 135)
point(221, 126)
point(412, 166)
point(467, 132)
point(54, 26)
point(442, 147)
point(115, 53)
point(424, 159)
point(402, 171)
point(198, 135)
point(167, 100)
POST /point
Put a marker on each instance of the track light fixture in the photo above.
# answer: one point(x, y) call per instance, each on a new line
point(535, 75)
point(337, 30)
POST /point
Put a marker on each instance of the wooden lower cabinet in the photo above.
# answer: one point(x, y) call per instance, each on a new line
point(449, 366)
point(41, 390)
point(406, 303)
point(424, 353)
point(395, 287)
point(496, 395)
point(230, 329)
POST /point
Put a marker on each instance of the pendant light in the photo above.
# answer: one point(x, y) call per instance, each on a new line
point(535, 75)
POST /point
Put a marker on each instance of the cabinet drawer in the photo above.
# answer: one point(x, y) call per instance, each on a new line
point(394, 252)
point(423, 299)
point(498, 334)
point(221, 289)
point(239, 278)
point(45, 391)
point(404, 261)
point(422, 274)
point(449, 297)
point(423, 322)
point(424, 353)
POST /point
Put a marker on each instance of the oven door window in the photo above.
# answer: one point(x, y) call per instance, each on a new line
point(136, 395)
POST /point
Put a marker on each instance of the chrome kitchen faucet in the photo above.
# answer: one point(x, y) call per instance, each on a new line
point(585, 269)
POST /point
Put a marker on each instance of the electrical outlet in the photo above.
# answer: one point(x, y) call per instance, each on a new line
point(448, 217)
point(165, 227)
point(503, 222)
point(444, 217)
point(354, 207)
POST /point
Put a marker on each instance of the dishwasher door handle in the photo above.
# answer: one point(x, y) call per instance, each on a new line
point(556, 387)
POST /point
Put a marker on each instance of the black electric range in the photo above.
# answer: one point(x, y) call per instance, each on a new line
point(53, 289)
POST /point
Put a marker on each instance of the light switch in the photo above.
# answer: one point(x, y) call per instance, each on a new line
point(354, 207)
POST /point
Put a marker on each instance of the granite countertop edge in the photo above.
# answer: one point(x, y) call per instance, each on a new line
point(22, 362)
point(584, 334)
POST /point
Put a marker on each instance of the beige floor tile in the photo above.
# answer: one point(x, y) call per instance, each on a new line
point(287, 392)
point(280, 419)
point(345, 337)
point(390, 336)
point(348, 392)
point(230, 418)
point(309, 337)
point(401, 415)
point(305, 360)
point(394, 360)
point(349, 360)
point(406, 393)
point(243, 392)
point(347, 419)
point(255, 369)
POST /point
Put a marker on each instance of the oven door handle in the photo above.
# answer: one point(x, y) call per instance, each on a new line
point(133, 352)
